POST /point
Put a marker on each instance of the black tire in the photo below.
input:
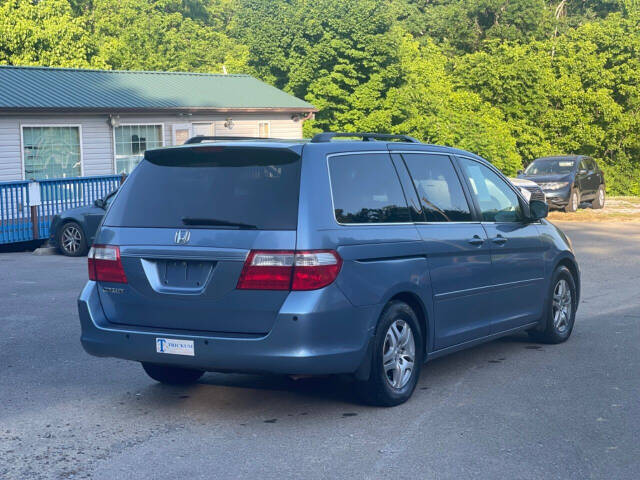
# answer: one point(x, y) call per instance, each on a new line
point(574, 202)
point(172, 375)
point(598, 202)
point(72, 241)
point(550, 330)
point(377, 390)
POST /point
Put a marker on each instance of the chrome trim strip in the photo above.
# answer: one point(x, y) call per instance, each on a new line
point(497, 286)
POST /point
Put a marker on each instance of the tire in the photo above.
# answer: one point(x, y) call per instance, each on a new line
point(72, 241)
point(574, 202)
point(558, 330)
point(390, 386)
point(598, 202)
point(172, 375)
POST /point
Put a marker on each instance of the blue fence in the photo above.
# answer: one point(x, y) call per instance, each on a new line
point(15, 214)
point(56, 195)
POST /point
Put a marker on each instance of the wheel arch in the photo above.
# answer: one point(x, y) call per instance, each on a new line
point(571, 264)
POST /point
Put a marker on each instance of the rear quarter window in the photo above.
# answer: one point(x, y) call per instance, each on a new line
point(366, 189)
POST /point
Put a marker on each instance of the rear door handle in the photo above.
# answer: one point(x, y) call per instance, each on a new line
point(476, 240)
point(500, 240)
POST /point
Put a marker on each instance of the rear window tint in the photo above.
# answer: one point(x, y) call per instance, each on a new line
point(366, 189)
point(211, 187)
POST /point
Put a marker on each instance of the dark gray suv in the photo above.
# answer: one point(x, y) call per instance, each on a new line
point(568, 180)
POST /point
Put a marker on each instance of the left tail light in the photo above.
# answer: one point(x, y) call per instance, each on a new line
point(105, 264)
point(289, 269)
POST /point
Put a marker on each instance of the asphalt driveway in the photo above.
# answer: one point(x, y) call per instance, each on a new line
point(507, 409)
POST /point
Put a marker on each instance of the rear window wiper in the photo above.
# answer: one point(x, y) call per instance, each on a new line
point(215, 222)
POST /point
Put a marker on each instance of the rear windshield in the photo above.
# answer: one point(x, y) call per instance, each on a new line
point(211, 187)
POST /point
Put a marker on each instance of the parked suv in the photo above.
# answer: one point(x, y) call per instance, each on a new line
point(323, 257)
point(568, 180)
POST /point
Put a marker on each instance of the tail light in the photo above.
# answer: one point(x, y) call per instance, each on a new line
point(105, 264)
point(289, 270)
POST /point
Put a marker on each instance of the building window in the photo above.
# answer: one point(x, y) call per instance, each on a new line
point(51, 152)
point(264, 130)
point(131, 143)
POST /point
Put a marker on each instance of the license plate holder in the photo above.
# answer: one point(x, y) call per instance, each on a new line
point(175, 346)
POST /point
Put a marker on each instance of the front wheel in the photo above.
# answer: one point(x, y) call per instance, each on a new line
point(396, 358)
point(172, 375)
point(574, 202)
point(598, 202)
point(72, 241)
point(560, 314)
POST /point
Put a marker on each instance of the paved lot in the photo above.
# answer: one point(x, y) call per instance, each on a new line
point(508, 409)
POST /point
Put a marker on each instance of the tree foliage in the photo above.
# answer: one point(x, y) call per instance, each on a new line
point(511, 80)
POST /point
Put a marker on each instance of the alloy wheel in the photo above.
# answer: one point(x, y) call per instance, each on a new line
point(562, 306)
point(71, 239)
point(398, 354)
point(574, 201)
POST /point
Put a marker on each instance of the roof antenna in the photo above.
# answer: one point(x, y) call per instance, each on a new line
point(224, 69)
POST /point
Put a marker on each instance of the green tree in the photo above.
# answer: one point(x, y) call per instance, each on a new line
point(44, 33)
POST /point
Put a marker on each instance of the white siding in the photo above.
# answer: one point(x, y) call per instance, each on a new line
point(97, 134)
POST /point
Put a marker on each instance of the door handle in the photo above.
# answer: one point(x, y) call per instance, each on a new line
point(476, 240)
point(500, 240)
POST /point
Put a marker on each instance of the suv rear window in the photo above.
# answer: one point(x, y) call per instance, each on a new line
point(211, 187)
point(366, 189)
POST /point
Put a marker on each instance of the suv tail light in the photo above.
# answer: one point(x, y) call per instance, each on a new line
point(289, 270)
point(105, 264)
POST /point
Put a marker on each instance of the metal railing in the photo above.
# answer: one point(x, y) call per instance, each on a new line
point(17, 214)
point(60, 194)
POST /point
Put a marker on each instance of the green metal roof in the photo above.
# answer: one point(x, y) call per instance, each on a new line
point(50, 89)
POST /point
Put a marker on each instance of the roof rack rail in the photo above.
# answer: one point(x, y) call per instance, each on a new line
point(366, 137)
point(205, 138)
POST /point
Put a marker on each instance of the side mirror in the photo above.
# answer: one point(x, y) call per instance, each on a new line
point(520, 172)
point(99, 202)
point(538, 210)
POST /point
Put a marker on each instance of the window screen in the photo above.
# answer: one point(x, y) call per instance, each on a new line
point(438, 188)
point(51, 152)
point(366, 189)
point(131, 143)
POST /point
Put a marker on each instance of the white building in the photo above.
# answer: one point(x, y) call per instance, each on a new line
point(57, 122)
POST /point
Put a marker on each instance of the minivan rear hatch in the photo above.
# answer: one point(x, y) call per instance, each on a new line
point(185, 221)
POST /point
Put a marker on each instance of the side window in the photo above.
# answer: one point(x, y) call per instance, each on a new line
point(583, 165)
point(438, 187)
point(497, 201)
point(366, 189)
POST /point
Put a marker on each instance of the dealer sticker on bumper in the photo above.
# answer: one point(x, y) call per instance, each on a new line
point(175, 347)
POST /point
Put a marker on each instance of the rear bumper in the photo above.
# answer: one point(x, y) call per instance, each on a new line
point(328, 335)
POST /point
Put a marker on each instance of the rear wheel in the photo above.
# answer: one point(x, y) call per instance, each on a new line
point(560, 313)
point(172, 375)
point(72, 241)
point(574, 202)
point(396, 357)
point(598, 202)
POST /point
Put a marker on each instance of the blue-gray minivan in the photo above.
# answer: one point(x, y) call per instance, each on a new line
point(359, 254)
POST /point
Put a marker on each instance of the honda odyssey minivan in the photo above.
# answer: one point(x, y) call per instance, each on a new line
point(360, 254)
